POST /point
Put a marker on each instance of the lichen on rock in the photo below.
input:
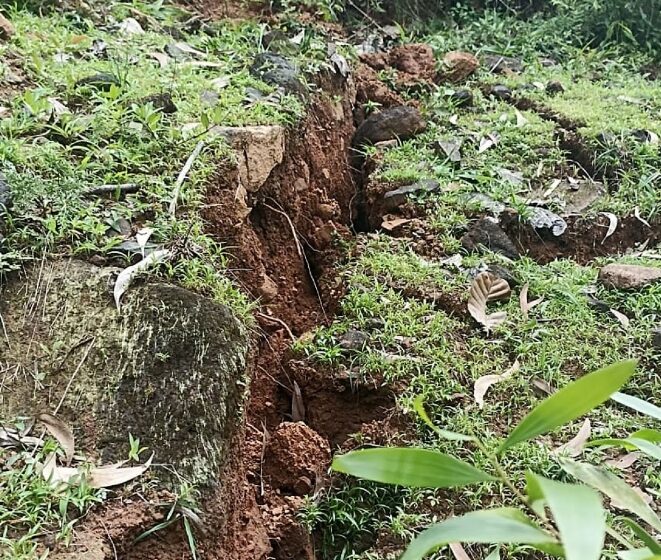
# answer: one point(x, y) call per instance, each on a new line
point(170, 368)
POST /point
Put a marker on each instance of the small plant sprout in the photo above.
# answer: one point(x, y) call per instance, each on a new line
point(135, 449)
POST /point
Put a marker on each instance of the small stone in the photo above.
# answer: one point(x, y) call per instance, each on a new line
point(488, 234)
point(354, 340)
point(629, 276)
point(504, 273)
point(6, 28)
point(500, 91)
point(459, 65)
point(554, 87)
point(276, 70)
point(542, 218)
point(397, 197)
point(656, 339)
point(102, 81)
point(268, 289)
point(397, 122)
point(499, 64)
point(462, 98)
point(162, 101)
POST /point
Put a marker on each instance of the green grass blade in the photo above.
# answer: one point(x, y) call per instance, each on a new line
point(409, 467)
point(638, 405)
point(614, 487)
point(489, 526)
point(648, 540)
point(419, 407)
point(579, 515)
point(572, 402)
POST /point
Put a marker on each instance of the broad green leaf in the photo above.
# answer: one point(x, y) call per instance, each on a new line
point(571, 402)
point(631, 443)
point(638, 554)
point(536, 498)
point(579, 516)
point(504, 525)
point(409, 466)
point(637, 404)
point(647, 539)
point(614, 487)
point(419, 407)
point(495, 555)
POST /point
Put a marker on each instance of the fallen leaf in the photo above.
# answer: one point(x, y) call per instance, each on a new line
point(554, 185)
point(621, 317)
point(520, 119)
point(178, 49)
point(653, 137)
point(77, 39)
point(127, 275)
point(526, 305)
point(514, 177)
point(612, 225)
point(624, 462)
point(543, 386)
point(220, 83)
point(341, 65)
point(98, 477)
point(485, 288)
point(454, 119)
point(297, 404)
point(539, 85)
point(574, 447)
point(459, 552)
point(391, 222)
point(636, 212)
point(162, 58)
point(57, 107)
point(142, 237)
point(451, 148)
point(61, 432)
point(130, 26)
point(485, 144)
point(483, 383)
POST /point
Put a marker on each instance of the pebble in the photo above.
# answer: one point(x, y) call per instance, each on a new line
point(353, 340)
point(487, 233)
point(276, 70)
point(401, 122)
point(500, 92)
point(628, 276)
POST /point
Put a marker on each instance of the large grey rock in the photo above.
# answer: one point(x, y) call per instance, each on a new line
point(629, 276)
point(276, 70)
point(488, 234)
point(397, 122)
point(169, 368)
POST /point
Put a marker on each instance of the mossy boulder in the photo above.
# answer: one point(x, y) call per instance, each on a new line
point(169, 368)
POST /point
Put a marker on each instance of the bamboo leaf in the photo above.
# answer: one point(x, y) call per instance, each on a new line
point(579, 516)
point(638, 405)
point(614, 487)
point(572, 402)
point(505, 525)
point(409, 467)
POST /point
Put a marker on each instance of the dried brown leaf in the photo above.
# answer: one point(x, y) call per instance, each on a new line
point(612, 225)
point(297, 404)
point(574, 447)
point(625, 461)
point(100, 477)
point(485, 288)
point(621, 317)
point(61, 432)
point(483, 383)
point(162, 58)
point(459, 552)
point(391, 223)
point(526, 305)
point(543, 386)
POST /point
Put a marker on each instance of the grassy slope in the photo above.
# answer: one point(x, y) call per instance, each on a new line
point(439, 354)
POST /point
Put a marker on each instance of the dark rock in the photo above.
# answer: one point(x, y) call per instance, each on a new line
point(102, 81)
point(499, 64)
point(5, 194)
point(606, 138)
point(598, 305)
point(629, 276)
point(276, 70)
point(462, 98)
point(162, 101)
point(500, 92)
point(644, 136)
point(6, 28)
point(504, 273)
point(274, 39)
point(353, 340)
point(397, 197)
point(488, 234)
point(554, 87)
point(397, 122)
point(656, 339)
